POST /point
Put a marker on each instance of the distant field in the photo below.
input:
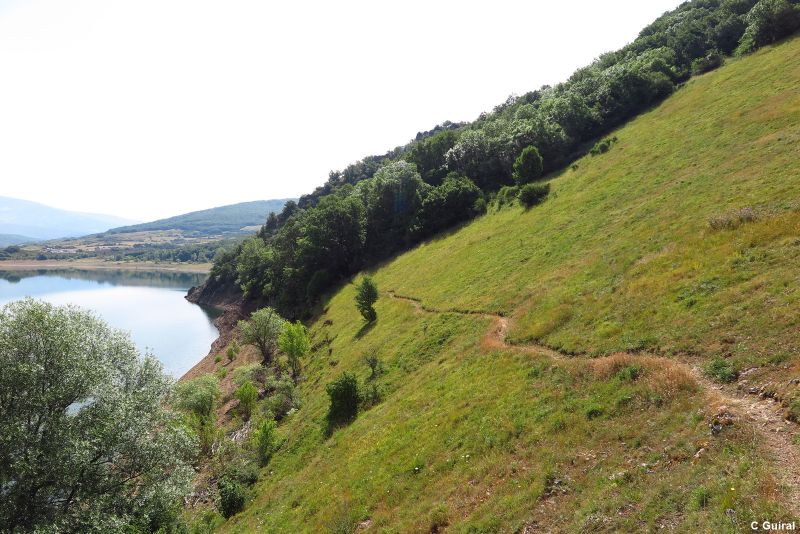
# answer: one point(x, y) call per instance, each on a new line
point(683, 240)
point(12, 265)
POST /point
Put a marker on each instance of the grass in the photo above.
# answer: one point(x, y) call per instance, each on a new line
point(471, 438)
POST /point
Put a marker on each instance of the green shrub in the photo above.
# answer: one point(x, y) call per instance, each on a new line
point(439, 519)
point(630, 373)
point(722, 369)
point(603, 146)
point(533, 194)
point(265, 441)
point(708, 63)
point(252, 372)
point(701, 497)
point(506, 196)
point(343, 520)
point(198, 396)
point(233, 351)
point(282, 397)
point(344, 397)
point(374, 363)
point(217, 358)
point(594, 411)
point(231, 497)
point(366, 296)
point(528, 166)
point(247, 395)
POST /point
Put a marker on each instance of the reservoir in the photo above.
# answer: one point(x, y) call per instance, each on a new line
point(149, 305)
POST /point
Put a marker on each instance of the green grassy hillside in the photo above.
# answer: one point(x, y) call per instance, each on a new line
point(213, 221)
point(647, 247)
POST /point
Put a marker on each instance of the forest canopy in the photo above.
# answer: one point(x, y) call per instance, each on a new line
point(386, 203)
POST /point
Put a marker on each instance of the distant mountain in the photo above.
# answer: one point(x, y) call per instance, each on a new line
point(7, 240)
point(34, 220)
point(234, 218)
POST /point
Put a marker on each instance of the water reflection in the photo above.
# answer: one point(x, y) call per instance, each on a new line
point(148, 304)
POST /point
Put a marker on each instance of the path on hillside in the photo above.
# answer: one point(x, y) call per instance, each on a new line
point(776, 433)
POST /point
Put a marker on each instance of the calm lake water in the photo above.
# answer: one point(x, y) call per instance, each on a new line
point(148, 305)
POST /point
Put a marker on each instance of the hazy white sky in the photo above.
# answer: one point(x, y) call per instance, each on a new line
point(150, 108)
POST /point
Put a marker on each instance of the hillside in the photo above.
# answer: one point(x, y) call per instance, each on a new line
point(214, 221)
point(13, 239)
point(506, 404)
point(38, 221)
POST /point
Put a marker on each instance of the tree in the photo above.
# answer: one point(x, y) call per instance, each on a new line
point(294, 342)
point(767, 22)
point(528, 166)
point(262, 331)
point(366, 296)
point(231, 496)
point(457, 199)
point(344, 395)
point(86, 441)
point(197, 398)
point(265, 441)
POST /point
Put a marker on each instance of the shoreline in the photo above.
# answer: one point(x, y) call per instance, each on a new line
point(32, 265)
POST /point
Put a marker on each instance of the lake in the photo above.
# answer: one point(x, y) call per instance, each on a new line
point(147, 304)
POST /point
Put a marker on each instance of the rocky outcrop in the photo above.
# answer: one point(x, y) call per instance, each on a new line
point(216, 294)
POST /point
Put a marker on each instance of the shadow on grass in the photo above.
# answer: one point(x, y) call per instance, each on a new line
point(332, 425)
point(365, 329)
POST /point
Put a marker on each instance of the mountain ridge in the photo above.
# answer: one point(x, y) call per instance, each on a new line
point(40, 221)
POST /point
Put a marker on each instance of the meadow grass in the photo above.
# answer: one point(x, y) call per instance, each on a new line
point(622, 256)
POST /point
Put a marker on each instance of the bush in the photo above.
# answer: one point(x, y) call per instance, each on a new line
point(233, 351)
point(374, 363)
point(533, 194)
point(722, 369)
point(344, 397)
point(262, 331)
point(630, 373)
point(198, 396)
point(701, 497)
point(506, 196)
point(265, 441)
point(282, 397)
point(231, 497)
point(708, 63)
point(528, 166)
point(734, 219)
point(294, 342)
point(601, 147)
point(439, 519)
point(594, 411)
point(366, 296)
point(247, 395)
point(252, 372)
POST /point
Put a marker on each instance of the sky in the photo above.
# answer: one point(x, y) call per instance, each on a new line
point(150, 108)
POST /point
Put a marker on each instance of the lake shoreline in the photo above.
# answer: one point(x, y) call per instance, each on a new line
point(20, 265)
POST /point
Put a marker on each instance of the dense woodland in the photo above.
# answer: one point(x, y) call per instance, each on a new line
point(381, 205)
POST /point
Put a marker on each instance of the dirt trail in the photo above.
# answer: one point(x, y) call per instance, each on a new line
point(764, 415)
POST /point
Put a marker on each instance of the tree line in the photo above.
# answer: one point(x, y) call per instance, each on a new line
point(384, 204)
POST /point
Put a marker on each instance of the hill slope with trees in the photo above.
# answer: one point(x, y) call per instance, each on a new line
point(566, 367)
point(382, 205)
